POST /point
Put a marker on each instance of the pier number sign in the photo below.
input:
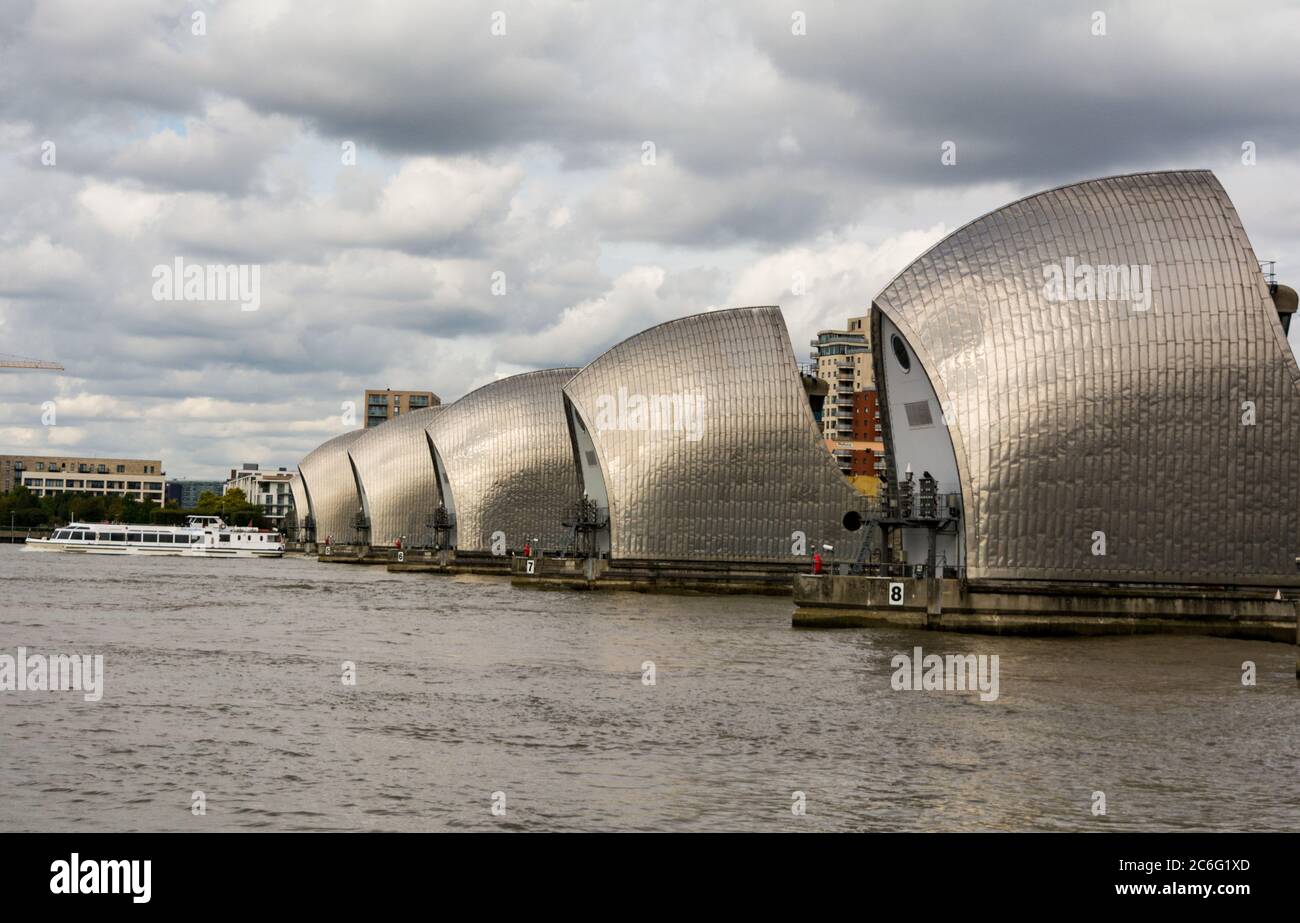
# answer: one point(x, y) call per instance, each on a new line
point(895, 594)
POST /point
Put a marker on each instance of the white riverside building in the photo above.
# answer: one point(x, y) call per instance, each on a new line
point(268, 489)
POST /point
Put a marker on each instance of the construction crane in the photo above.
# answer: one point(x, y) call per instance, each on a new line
point(19, 362)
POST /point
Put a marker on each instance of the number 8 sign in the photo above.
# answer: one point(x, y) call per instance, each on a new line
point(895, 594)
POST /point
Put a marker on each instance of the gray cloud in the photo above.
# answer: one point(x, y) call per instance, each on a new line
point(519, 158)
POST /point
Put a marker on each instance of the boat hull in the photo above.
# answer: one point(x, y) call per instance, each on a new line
point(196, 551)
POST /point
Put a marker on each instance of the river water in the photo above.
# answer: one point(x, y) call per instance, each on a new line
point(226, 678)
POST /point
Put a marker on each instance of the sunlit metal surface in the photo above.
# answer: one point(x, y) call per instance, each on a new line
point(509, 462)
point(1079, 421)
point(327, 472)
point(739, 472)
point(399, 487)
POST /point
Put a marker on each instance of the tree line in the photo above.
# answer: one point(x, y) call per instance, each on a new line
point(28, 511)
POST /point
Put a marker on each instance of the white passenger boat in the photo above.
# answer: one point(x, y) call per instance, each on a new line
point(200, 537)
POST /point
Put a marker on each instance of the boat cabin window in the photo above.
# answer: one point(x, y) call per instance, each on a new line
point(134, 537)
point(225, 538)
point(151, 536)
point(165, 538)
point(117, 537)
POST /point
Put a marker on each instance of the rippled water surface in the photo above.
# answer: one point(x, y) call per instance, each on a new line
point(225, 677)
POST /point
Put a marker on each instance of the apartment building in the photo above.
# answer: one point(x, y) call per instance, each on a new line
point(850, 418)
point(185, 492)
point(268, 489)
point(387, 404)
point(141, 478)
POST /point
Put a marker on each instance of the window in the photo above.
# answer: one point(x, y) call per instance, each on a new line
point(40, 466)
point(900, 353)
point(99, 484)
point(133, 537)
point(101, 469)
point(165, 538)
point(225, 538)
point(132, 485)
point(117, 536)
point(121, 469)
point(151, 537)
point(61, 535)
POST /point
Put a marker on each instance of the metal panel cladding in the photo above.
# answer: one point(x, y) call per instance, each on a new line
point(1104, 432)
point(327, 472)
point(509, 462)
point(708, 447)
point(399, 485)
point(301, 502)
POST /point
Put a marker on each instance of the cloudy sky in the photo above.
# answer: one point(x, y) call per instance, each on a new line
point(615, 164)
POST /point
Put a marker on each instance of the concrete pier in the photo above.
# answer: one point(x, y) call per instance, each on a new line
point(1033, 608)
point(446, 561)
point(652, 576)
point(351, 554)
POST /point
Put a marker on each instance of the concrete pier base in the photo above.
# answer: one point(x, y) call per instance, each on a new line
point(653, 576)
point(1031, 608)
point(446, 561)
point(351, 554)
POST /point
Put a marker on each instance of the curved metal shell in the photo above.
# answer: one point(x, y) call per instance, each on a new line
point(1078, 421)
point(507, 458)
point(399, 486)
point(327, 474)
point(301, 504)
point(707, 446)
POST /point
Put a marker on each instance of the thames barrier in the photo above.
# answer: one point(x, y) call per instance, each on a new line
point(1089, 414)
